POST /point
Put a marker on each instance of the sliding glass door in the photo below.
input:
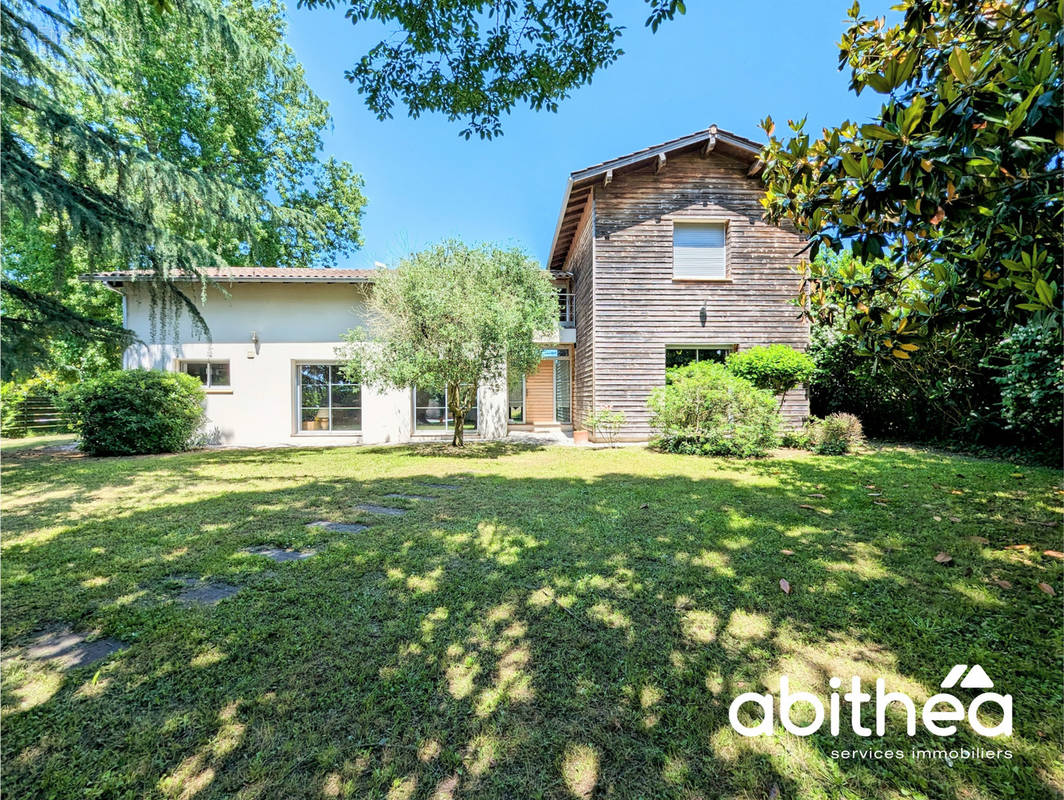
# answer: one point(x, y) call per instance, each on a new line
point(563, 409)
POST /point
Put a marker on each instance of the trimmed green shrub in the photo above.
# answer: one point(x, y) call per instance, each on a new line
point(127, 412)
point(776, 368)
point(705, 410)
point(835, 435)
point(605, 422)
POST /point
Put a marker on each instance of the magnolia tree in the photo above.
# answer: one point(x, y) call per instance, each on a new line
point(453, 318)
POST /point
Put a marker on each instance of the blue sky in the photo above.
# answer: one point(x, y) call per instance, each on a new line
point(724, 63)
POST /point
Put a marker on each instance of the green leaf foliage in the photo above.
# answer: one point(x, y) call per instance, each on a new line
point(476, 61)
point(1032, 380)
point(454, 317)
point(165, 141)
point(129, 412)
point(952, 193)
point(706, 410)
point(775, 367)
point(950, 388)
point(605, 422)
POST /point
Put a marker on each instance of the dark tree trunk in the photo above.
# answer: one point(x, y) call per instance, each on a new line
point(459, 406)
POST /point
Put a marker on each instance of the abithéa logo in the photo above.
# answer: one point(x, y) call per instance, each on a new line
point(938, 713)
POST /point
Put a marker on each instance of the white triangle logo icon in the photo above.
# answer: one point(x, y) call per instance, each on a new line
point(954, 675)
point(977, 679)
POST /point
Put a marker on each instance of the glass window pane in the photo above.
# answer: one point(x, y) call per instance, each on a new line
point(431, 418)
point(516, 391)
point(314, 418)
point(430, 397)
point(336, 373)
point(197, 369)
point(314, 396)
point(680, 357)
point(346, 419)
point(717, 354)
point(346, 396)
point(220, 373)
point(471, 419)
point(314, 375)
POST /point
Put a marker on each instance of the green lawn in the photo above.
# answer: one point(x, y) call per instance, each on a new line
point(567, 623)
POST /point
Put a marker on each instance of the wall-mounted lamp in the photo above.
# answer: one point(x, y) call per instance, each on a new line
point(702, 315)
point(254, 344)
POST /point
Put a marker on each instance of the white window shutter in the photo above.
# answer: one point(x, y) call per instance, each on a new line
point(699, 250)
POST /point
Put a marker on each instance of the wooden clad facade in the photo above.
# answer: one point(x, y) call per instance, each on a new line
point(629, 307)
point(539, 394)
point(581, 265)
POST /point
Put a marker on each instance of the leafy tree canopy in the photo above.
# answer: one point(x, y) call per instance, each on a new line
point(474, 60)
point(453, 318)
point(167, 142)
point(951, 199)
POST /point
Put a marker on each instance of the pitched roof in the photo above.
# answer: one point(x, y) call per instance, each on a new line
point(246, 275)
point(580, 182)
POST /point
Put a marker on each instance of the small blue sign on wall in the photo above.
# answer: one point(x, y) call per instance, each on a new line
point(550, 353)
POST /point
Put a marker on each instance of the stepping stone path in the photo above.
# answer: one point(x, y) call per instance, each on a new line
point(279, 554)
point(370, 508)
point(402, 496)
point(205, 593)
point(339, 527)
point(65, 649)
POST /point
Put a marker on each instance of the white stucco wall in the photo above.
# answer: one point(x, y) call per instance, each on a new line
point(295, 323)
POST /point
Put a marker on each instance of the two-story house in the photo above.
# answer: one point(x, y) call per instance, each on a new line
point(660, 257)
point(669, 261)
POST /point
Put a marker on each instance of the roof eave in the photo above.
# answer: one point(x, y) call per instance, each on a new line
point(590, 175)
point(109, 279)
point(561, 218)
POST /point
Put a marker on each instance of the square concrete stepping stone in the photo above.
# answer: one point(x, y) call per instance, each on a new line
point(449, 486)
point(402, 496)
point(280, 554)
point(339, 527)
point(370, 508)
point(65, 649)
point(205, 593)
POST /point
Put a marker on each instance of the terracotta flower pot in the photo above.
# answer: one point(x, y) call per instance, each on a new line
point(580, 437)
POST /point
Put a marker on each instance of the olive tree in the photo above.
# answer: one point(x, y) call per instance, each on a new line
point(453, 318)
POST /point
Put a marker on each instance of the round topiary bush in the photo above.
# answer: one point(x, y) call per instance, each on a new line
point(128, 412)
point(776, 368)
point(705, 410)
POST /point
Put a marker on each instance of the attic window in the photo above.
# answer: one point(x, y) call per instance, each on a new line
point(699, 250)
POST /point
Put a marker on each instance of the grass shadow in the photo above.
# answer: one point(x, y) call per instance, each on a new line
point(566, 623)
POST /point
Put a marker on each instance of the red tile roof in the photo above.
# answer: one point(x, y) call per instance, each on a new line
point(249, 275)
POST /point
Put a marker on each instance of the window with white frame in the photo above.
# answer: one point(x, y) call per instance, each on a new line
point(431, 412)
point(327, 400)
point(699, 250)
point(212, 374)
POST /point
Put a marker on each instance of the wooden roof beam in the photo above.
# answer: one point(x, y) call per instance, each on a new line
point(659, 163)
point(608, 179)
point(755, 168)
point(711, 142)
